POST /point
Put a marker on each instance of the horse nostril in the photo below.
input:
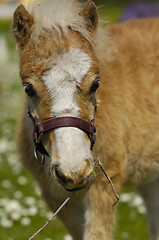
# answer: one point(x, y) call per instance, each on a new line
point(64, 179)
point(86, 170)
point(88, 166)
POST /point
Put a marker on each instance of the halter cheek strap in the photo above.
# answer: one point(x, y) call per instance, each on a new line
point(54, 123)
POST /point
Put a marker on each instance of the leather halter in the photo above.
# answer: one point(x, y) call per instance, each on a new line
point(41, 128)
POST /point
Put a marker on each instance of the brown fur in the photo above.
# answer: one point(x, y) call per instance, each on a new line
point(127, 118)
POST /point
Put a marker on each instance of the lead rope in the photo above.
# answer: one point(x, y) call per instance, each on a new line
point(110, 182)
point(53, 216)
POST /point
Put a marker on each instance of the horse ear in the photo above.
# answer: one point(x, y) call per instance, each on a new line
point(21, 26)
point(89, 12)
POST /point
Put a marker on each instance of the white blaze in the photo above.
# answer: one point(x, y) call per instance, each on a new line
point(61, 81)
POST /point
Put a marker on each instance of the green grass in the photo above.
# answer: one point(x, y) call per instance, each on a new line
point(131, 225)
point(16, 184)
point(109, 13)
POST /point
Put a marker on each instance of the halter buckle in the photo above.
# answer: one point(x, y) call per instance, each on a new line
point(36, 156)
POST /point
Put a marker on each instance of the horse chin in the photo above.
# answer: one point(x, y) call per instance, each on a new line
point(83, 184)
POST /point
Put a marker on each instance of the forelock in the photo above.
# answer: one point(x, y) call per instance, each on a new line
point(51, 14)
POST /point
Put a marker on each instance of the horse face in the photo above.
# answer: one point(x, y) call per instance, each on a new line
point(60, 76)
point(63, 84)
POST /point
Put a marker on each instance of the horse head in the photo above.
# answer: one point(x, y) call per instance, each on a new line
point(59, 72)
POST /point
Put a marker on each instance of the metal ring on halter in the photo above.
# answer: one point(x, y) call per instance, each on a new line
point(36, 156)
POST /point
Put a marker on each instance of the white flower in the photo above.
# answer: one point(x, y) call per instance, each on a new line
point(3, 201)
point(25, 221)
point(6, 184)
point(4, 145)
point(67, 237)
point(15, 216)
point(16, 166)
point(12, 206)
point(22, 180)
point(126, 197)
point(141, 209)
point(18, 194)
point(32, 211)
point(29, 200)
point(137, 201)
point(6, 223)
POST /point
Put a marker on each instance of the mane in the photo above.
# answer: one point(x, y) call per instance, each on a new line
point(50, 14)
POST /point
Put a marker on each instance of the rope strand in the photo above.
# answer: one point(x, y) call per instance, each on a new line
point(53, 216)
point(110, 182)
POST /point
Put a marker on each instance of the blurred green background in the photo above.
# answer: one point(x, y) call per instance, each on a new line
point(22, 211)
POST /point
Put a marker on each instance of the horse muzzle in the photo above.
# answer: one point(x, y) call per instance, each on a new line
point(73, 181)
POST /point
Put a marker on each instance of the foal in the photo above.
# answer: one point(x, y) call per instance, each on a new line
point(64, 56)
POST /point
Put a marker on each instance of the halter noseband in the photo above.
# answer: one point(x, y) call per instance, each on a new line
point(41, 128)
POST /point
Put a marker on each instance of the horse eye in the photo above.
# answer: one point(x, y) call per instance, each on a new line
point(30, 91)
point(94, 86)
